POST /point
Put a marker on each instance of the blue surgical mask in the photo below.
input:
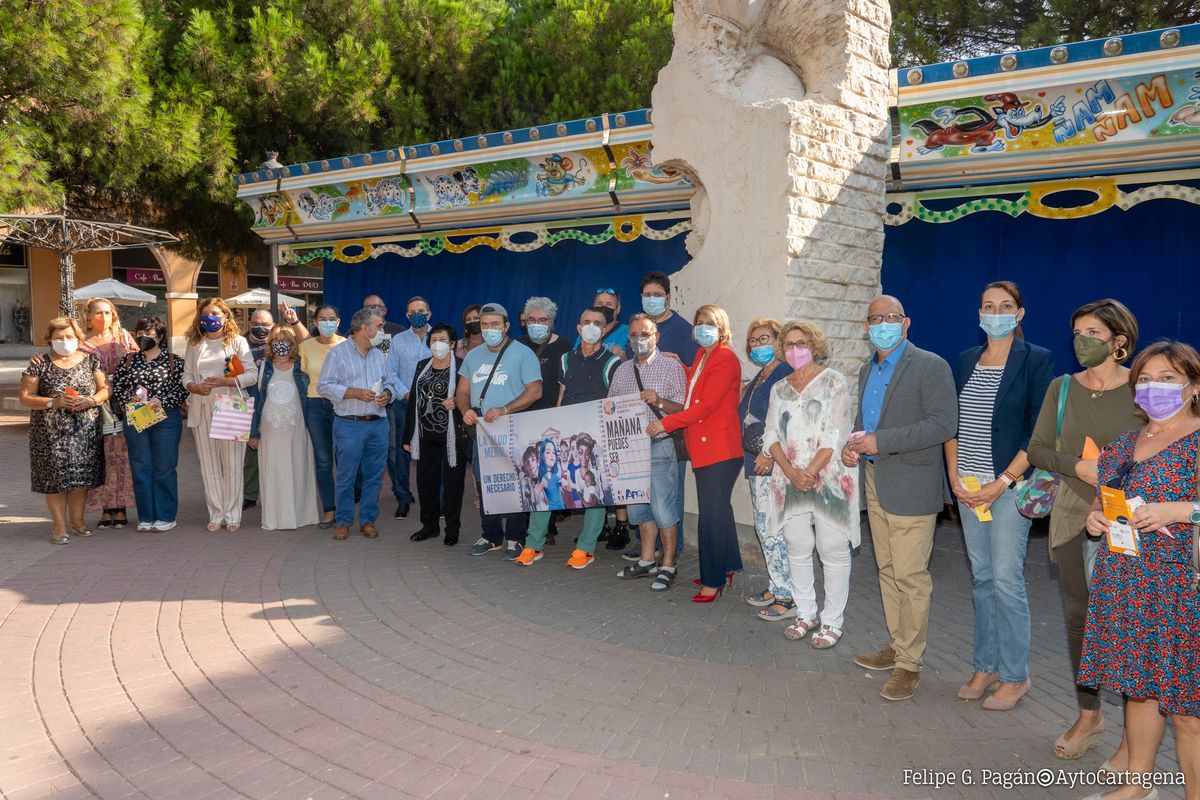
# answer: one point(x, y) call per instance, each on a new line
point(210, 323)
point(418, 319)
point(493, 336)
point(706, 335)
point(886, 335)
point(327, 327)
point(997, 326)
point(537, 331)
point(763, 354)
point(654, 305)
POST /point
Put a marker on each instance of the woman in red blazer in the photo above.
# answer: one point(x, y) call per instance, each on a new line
point(709, 419)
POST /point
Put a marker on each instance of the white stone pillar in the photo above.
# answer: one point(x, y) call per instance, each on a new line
point(777, 110)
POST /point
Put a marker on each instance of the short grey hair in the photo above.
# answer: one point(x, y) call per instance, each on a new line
point(362, 317)
point(542, 304)
point(640, 316)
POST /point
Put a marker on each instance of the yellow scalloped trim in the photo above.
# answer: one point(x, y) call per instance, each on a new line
point(1106, 197)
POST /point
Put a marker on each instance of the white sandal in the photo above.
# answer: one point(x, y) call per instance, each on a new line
point(800, 628)
point(825, 638)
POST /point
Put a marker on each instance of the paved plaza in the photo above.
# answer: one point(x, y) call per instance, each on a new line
point(286, 665)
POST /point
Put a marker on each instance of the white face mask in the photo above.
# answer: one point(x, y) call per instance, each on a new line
point(64, 347)
point(378, 338)
point(590, 333)
point(440, 349)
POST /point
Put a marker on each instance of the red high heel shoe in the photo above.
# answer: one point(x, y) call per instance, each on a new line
point(706, 598)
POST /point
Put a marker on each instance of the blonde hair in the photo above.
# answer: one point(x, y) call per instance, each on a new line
point(114, 327)
point(761, 322)
point(62, 323)
point(277, 333)
point(230, 332)
point(816, 338)
point(719, 319)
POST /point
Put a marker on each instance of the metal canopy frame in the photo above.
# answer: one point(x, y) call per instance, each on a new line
point(69, 235)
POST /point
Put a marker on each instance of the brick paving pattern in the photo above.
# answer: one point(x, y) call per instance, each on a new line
point(285, 665)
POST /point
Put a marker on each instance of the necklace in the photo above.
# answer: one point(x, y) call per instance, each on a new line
point(1103, 388)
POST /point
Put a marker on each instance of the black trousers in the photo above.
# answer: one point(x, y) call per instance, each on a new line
point(431, 468)
point(716, 530)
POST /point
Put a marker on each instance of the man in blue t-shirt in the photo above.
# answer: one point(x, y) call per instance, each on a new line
point(674, 332)
point(516, 385)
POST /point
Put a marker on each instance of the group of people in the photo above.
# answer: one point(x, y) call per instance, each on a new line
point(331, 415)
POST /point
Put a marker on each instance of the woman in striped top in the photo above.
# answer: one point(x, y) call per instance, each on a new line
point(1000, 390)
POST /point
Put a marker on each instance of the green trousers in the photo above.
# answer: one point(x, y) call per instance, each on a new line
point(593, 524)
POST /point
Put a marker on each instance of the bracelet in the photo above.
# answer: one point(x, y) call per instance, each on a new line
point(1007, 479)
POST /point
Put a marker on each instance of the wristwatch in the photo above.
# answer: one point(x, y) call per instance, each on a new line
point(1195, 517)
point(1006, 479)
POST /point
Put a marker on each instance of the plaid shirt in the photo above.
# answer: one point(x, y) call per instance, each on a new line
point(662, 373)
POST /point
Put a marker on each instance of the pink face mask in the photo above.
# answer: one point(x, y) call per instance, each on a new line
point(798, 357)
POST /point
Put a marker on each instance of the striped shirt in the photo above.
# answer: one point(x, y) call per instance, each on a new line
point(976, 405)
point(661, 372)
point(347, 368)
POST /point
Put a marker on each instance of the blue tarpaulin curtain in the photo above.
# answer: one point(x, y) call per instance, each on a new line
point(568, 273)
point(1144, 257)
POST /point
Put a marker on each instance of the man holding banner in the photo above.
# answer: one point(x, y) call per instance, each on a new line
point(501, 378)
point(587, 373)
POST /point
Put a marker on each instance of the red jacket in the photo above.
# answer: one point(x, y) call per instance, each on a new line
point(710, 422)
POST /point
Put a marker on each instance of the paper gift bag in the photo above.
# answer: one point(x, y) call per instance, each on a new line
point(231, 418)
point(144, 415)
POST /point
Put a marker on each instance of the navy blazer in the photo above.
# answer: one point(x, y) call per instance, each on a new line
point(265, 373)
point(1027, 374)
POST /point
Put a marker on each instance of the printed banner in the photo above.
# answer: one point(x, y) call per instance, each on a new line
point(1145, 107)
point(579, 456)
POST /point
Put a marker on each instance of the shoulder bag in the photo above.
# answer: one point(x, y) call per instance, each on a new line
point(483, 394)
point(681, 452)
point(1035, 494)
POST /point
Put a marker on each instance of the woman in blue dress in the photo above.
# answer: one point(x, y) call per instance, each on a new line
point(549, 476)
point(1143, 627)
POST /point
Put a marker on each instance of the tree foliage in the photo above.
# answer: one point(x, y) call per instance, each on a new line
point(146, 109)
point(929, 31)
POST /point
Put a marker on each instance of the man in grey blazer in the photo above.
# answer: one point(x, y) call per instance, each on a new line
point(907, 409)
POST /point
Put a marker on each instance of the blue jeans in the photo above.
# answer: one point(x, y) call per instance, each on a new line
point(318, 416)
point(153, 457)
point(359, 444)
point(997, 553)
point(399, 460)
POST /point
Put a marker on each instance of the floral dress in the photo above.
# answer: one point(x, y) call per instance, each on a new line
point(65, 451)
point(117, 488)
point(1143, 627)
point(817, 417)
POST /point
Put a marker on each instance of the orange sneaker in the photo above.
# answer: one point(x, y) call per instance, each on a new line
point(579, 559)
point(528, 556)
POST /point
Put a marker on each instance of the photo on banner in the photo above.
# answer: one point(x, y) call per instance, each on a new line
point(585, 455)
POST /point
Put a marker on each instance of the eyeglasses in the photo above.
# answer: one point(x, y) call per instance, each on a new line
point(378, 307)
point(641, 336)
point(875, 319)
point(796, 344)
point(766, 338)
point(654, 294)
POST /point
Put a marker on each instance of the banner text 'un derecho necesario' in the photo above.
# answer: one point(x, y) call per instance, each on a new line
point(579, 456)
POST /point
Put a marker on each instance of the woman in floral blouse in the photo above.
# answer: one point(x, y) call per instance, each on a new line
point(813, 498)
point(152, 376)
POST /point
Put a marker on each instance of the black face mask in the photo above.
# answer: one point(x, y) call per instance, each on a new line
point(259, 332)
point(145, 343)
point(609, 314)
point(472, 328)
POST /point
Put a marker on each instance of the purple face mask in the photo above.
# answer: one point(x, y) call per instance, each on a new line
point(1160, 401)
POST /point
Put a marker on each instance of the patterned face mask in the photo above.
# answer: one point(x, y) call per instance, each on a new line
point(281, 348)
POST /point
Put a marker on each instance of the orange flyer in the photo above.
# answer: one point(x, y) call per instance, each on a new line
point(1090, 450)
point(1115, 506)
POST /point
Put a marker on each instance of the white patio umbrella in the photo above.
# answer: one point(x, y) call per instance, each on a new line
point(260, 298)
point(114, 291)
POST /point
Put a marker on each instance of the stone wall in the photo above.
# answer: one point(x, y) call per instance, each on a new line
point(777, 110)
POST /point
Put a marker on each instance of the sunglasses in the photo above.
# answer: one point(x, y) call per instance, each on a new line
point(609, 290)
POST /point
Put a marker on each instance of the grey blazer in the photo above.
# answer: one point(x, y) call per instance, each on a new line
point(920, 414)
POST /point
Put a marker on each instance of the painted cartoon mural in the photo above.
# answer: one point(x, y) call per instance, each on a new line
point(560, 174)
point(1150, 106)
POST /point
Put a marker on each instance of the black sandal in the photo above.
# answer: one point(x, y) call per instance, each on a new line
point(105, 522)
point(663, 579)
point(120, 520)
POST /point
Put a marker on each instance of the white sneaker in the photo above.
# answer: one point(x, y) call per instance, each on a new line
point(161, 526)
point(145, 526)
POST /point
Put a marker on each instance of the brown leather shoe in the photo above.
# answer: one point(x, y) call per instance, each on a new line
point(884, 659)
point(341, 532)
point(901, 685)
point(370, 531)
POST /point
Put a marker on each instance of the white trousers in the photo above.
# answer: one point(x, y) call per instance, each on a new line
point(221, 468)
point(803, 532)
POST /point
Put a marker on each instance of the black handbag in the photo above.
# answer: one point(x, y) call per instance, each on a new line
point(681, 452)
